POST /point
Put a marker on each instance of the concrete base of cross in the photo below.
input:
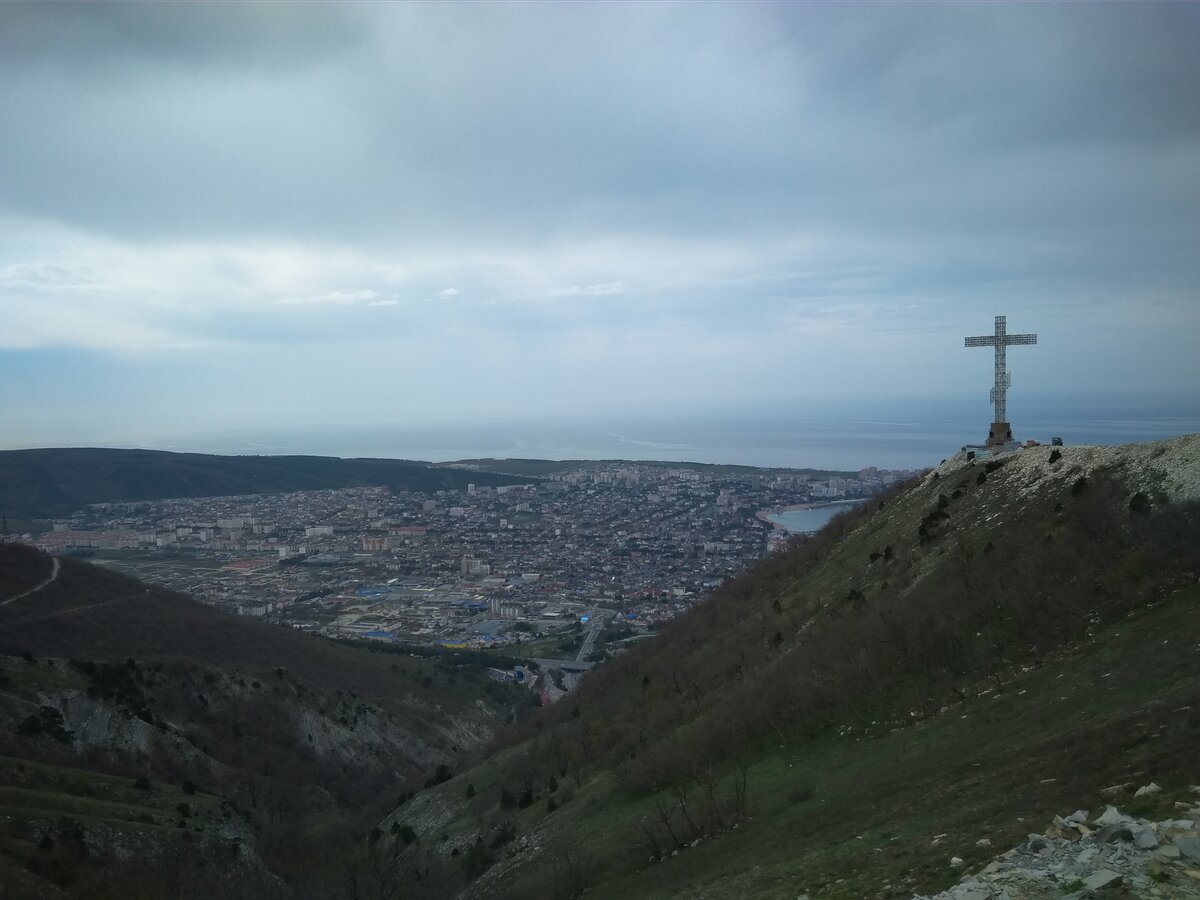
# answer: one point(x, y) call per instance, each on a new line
point(999, 434)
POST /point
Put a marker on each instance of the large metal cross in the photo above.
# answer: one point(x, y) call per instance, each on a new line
point(1001, 340)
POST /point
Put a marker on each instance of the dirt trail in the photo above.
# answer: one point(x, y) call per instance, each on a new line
point(36, 587)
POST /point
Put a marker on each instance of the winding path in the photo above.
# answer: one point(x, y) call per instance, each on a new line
point(36, 587)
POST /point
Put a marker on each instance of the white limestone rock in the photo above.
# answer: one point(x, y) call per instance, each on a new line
point(1103, 880)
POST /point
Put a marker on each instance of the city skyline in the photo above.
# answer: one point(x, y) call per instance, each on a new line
point(222, 217)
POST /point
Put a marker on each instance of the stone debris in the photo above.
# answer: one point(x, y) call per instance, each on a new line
point(1171, 466)
point(1081, 857)
point(1189, 846)
point(1102, 880)
point(1145, 838)
point(1110, 816)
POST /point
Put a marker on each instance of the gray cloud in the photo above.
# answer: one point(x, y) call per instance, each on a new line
point(86, 37)
point(522, 123)
point(703, 197)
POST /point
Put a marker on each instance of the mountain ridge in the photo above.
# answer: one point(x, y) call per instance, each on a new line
point(48, 482)
point(1002, 638)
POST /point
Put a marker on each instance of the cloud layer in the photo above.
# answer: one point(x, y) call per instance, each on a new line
point(245, 213)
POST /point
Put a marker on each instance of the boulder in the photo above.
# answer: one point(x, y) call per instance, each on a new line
point(1145, 838)
point(1145, 789)
point(1189, 847)
point(1102, 880)
point(1111, 816)
point(1037, 842)
point(971, 893)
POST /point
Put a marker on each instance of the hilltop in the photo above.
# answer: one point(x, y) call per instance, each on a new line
point(121, 703)
point(1000, 641)
point(56, 482)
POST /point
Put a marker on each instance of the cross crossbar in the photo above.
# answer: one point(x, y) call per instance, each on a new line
point(1009, 340)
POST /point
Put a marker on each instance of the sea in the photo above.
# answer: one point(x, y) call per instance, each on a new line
point(897, 435)
point(812, 519)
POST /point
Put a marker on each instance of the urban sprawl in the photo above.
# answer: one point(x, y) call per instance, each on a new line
point(564, 568)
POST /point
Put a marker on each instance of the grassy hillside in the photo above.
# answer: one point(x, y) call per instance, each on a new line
point(63, 831)
point(985, 648)
point(308, 741)
point(55, 482)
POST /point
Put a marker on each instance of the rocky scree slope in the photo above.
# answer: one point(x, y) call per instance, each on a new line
point(1109, 855)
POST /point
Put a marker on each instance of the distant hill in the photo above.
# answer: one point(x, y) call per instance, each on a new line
point(276, 741)
point(56, 482)
point(939, 671)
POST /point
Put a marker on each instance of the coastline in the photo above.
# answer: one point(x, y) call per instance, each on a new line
point(765, 514)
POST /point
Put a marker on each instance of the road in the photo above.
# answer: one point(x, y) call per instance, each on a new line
point(573, 669)
point(36, 587)
point(589, 641)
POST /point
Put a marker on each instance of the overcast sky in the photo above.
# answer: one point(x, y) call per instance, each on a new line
point(218, 215)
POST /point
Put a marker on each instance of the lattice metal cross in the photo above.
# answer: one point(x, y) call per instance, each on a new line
point(1001, 340)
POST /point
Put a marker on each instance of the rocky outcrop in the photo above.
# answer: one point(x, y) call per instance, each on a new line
point(1082, 856)
point(1169, 467)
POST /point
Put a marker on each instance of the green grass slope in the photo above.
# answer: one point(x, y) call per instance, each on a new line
point(66, 831)
point(58, 481)
point(991, 645)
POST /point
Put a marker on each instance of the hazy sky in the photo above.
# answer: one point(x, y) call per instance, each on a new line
point(216, 216)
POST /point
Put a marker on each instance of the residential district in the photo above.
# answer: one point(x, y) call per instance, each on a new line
point(568, 567)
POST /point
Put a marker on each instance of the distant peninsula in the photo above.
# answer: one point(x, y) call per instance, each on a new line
point(46, 483)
